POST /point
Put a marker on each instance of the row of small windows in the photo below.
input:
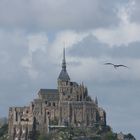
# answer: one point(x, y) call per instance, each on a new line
point(50, 103)
point(66, 89)
point(64, 83)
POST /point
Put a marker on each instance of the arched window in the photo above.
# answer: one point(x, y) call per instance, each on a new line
point(77, 97)
point(16, 116)
point(80, 97)
point(53, 103)
point(49, 104)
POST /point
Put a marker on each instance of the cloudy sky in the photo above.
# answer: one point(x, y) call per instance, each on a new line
point(32, 37)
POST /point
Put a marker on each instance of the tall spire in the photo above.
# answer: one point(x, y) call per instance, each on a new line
point(64, 61)
point(63, 74)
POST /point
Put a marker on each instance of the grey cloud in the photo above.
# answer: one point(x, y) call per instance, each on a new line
point(120, 102)
point(134, 15)
point(17, 88)
point(89, 46)
point(130, 51)
point(12, 75)
point(92, 47)
point(54, 15)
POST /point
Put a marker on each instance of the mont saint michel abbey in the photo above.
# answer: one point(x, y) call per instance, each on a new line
point(69, 104)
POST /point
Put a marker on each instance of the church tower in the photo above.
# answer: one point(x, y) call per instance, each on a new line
point(63, 78)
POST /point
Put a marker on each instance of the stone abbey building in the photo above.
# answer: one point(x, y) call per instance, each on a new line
point(69, 104)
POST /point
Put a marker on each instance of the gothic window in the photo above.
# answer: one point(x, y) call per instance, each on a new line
point(16, 116)
point(77, 97)
point(53, 103)
point(27, 119)
point(85, 95)
point(87, 119)
point(80, 97)
point(49, 104)
point(45, 117)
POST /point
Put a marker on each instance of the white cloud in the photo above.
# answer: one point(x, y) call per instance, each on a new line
point(123, 34)
point(36, 42)
point(124, 12)
point(65, 39)
point(93, 69)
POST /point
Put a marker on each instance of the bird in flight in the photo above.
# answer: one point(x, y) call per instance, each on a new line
point(115, 65)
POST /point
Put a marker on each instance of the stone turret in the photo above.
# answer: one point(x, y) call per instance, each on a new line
point(96, 101)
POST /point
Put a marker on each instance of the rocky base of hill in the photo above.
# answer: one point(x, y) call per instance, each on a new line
point(74, 133)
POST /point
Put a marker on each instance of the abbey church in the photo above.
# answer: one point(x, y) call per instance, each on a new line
point(68, 104)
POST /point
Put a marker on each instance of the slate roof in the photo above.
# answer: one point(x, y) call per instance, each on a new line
point(64, 75)
point(46, 91)
point(49, 94)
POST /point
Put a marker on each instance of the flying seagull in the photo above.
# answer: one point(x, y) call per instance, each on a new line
point(115, 66)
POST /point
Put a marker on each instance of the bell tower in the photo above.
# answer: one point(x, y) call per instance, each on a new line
point(63, 78)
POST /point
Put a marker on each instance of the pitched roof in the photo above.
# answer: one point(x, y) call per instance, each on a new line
point(47, 91)
point(64, 76)
point(49, 94)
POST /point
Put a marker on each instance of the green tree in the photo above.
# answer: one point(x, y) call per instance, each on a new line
point(130, 136)
point(110, 136)
point(4, 132)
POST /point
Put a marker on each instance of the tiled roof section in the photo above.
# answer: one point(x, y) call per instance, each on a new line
point(46, 91)
point(49, 94)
